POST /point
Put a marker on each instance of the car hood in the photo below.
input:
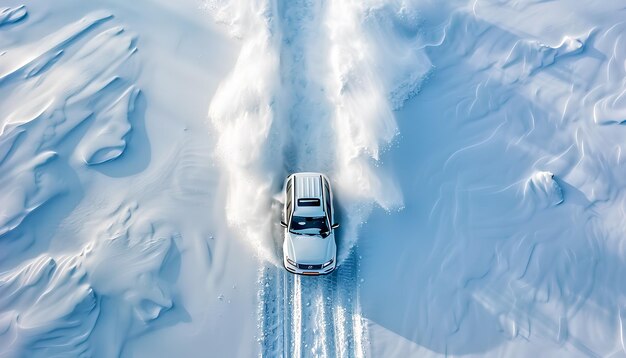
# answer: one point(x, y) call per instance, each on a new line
point(310, 249)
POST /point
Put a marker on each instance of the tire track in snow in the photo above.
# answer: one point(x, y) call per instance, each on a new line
point(305, 111)
point(272, 310)
point(346, 312)
point(310, 316)
point(309, 305)
point(310, 321)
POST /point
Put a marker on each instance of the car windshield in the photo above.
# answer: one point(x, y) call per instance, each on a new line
point(309, 225)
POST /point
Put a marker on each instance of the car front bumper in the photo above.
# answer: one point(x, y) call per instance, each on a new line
point(323, 271)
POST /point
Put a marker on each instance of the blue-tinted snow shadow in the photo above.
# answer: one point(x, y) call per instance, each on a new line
point(411, 287)
point(33, 235)
point(137, 154)
point(408, 251)
point(170, 273)
point(118, 320)
point(572, 195)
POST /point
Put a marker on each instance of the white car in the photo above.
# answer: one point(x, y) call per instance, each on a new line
point(309, 247)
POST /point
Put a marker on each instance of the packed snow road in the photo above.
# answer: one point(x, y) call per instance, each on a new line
point(303, 316)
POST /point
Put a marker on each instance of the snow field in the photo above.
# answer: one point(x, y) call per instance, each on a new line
point(475, 149)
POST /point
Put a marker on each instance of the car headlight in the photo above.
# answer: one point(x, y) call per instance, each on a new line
point(291, 261)
point(328, 263)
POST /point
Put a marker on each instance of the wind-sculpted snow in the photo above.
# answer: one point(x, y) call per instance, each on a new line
point(11, 15)
point(610, 105)
point(475, 149)
point(107, 140)
point(517, 197)
point(544, 187)
point(48, 99)
point(31, 187)
point(306, 94)
point(29, 59)
point(69, 98)
point(48, 308)
point(531, 56)
point(124, 263)
point(51, 304)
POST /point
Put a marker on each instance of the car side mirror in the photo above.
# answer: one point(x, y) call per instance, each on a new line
point(283, 224)
point(335, 225)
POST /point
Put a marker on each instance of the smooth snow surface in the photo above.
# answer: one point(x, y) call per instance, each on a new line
point(474, 148)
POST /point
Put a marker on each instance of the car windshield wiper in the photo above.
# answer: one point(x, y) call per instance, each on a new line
point(303, 233)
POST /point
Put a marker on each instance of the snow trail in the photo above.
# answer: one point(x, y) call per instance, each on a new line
point(306, 94)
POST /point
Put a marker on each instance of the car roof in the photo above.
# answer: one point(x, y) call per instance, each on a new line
point(308, 186)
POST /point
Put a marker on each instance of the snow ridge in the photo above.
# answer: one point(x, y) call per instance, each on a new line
point(11, 15)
